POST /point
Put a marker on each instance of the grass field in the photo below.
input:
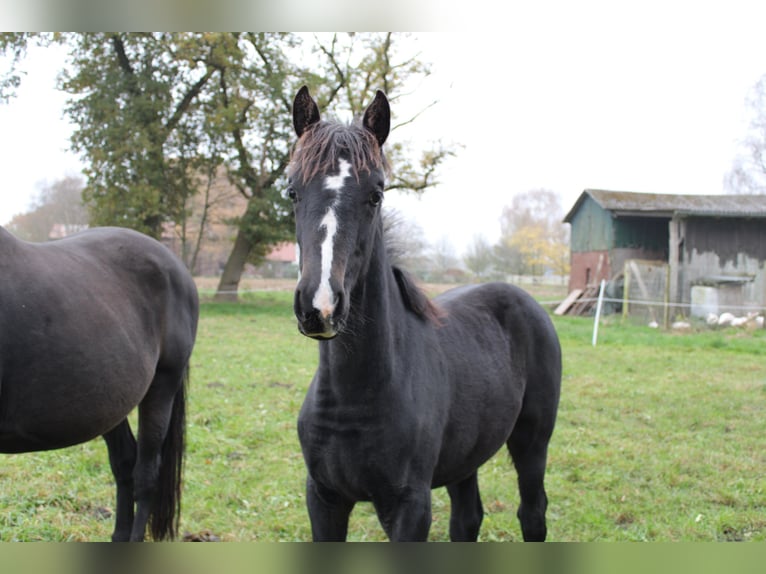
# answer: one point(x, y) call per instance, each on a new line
point(660, 438)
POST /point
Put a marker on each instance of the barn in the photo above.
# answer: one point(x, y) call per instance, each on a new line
point(712, 247)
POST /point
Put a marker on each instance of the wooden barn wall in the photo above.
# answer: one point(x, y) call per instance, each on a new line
point(728, 237)
point(591, 228)
point(725, 246)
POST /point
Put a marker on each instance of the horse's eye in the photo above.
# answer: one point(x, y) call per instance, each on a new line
point(376, 197)
point(291, 194)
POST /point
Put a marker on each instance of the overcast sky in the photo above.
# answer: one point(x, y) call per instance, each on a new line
point(566, 99)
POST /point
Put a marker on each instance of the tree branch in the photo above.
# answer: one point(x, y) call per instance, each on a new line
point(339, 73)
point(125, 65)
point(184, 104)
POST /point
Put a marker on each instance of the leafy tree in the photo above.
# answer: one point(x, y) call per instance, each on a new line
point(534, 248)
point(536, 206)
point(139, 111)
point(533, 237)
point(58, 204)
point(158, 113)
point(14, 47)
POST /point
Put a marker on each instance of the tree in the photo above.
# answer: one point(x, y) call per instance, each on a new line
point(59, 204)
point(748, 173)
point(406, 243)
point(480, 258)
point(533, 237)
point(444, 261)
point(155, 110)
point(507, 258)
point(534, 247)
point(536, 206)
point(136, 102)
point(13, 46)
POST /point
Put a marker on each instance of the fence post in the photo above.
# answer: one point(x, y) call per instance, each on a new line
point(625, 290)
point(598, 310)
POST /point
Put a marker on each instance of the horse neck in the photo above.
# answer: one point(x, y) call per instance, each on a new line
point(366, 345)
point(9, 245)
point(6, 237)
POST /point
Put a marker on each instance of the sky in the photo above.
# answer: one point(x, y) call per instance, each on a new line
point(587, 95)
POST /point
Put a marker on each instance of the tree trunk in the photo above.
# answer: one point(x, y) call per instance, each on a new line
point(228, 286)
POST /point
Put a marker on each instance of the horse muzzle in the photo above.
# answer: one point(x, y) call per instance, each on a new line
point(315, 326)
point(319, 321)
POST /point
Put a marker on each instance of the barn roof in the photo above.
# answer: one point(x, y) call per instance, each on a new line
point(629, 203)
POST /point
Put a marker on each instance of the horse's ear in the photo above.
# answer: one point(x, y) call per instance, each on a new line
point(305, 111)
point(377, 117)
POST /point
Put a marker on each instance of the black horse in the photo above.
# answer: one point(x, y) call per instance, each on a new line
point(91, 326)
point(409, 394)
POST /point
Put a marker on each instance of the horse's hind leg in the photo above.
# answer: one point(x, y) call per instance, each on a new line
point(528, 446)
point(122, 458)
point(466, 510)
point(156, 476)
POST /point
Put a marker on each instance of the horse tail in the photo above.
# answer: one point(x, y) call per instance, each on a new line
point(166, 508)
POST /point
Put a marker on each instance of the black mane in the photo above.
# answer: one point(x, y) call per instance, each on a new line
point(414, 298)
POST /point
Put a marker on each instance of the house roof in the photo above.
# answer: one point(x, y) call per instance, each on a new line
point(628, 203)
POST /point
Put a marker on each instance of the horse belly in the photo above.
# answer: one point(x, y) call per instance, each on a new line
point(462, 455)
point(21, 440)
point(42, 411)
point(39, 428)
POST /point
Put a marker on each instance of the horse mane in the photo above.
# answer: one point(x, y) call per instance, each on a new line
point(320, 146)
point(415, 299)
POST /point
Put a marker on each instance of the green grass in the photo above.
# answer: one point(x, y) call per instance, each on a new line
point(659, 438)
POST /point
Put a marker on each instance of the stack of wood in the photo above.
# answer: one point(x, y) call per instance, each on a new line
point(579, 302)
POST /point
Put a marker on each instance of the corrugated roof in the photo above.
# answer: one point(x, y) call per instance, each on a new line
point(667, 205)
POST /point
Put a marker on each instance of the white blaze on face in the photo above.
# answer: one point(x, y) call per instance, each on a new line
point(324, 302)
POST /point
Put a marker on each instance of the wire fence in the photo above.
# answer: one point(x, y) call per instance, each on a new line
point(640, 310)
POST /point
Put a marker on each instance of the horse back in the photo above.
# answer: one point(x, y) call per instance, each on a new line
point(500, 315)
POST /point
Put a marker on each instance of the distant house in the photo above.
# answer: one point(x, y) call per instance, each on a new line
point(713, 241)
point(285, 252)
point(281, 262)
point(61, 230)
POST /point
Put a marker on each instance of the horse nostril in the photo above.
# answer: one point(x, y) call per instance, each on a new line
point(298, 306)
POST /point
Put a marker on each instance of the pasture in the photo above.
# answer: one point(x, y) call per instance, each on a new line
point(659, 438)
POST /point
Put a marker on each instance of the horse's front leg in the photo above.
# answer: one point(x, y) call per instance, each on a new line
point(406, 514)
point(328, 513)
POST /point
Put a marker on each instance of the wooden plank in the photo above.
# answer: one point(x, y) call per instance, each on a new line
point(585, 302)
point(568, 302)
